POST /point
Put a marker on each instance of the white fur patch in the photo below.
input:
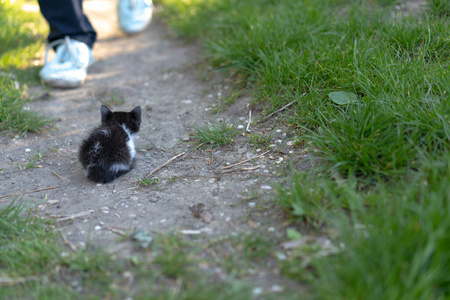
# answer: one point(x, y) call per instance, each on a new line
point(119, 167)
point(96, 148)
point(130, 142)
point(86, 171)
point(105, 131)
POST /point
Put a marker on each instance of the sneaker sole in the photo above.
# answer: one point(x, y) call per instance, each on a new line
point(63, 84)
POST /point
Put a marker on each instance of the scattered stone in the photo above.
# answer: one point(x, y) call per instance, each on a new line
point(251, 204)
point(207, 217)
point(281, 256)
point(240, 127)
point(27, 150)
point(142, 239)
point(97, 227)
point(266, 187)
point(196, 232)
point(276, 289)
point(257, 291)
point(285, 150)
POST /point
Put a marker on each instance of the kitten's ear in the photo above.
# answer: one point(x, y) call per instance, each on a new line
point(105, 112)
point(137, 111)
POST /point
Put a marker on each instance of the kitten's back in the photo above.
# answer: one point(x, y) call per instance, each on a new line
point(109, 151)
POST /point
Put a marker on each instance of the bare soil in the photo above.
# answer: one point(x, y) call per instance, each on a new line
point(193, 195)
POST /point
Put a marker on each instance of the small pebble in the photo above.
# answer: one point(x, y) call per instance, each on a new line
point(281, 256)
point(257, 291)
point(240, 127)
point(97, 227)
point(252, 204)
point(266, 187)
point(28, 150)
point(276, 289)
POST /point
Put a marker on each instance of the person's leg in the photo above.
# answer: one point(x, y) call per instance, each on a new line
point(66, 18)
point(72, 37)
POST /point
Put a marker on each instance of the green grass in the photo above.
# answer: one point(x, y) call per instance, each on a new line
point(21, 39)
point(240, 253)
point(144, 181)
point(15, 115)
point(35, 264)
point(396, 66)
point(380, 189)
point(215, 134)
point(33, 162)
point(261, 140)
point(439, 7)
point(396, 247)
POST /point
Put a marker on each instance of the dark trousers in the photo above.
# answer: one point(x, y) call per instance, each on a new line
point(66, 18)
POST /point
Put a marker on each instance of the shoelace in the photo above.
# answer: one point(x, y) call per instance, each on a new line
point(133, 3)
point(69, 49)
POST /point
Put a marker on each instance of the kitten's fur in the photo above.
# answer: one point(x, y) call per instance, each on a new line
point(109, 151)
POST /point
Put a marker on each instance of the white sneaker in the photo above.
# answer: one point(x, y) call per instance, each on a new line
point(134, 15)
point(68, 69)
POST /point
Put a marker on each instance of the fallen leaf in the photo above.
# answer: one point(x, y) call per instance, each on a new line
point(343, 97)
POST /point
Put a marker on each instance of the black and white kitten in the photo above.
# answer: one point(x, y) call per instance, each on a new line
point(109, 151)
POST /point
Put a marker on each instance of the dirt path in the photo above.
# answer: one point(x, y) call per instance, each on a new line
point(153, 71)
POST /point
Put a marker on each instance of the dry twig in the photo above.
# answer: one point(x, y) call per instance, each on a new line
point(11, 281)
point(78, 215)
point(244, 161)
point(249, 121)
point(164, 164)
point(243, 169)
point(72, 247)
point(30, 192)
point(278, 110)
point(60, 177)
